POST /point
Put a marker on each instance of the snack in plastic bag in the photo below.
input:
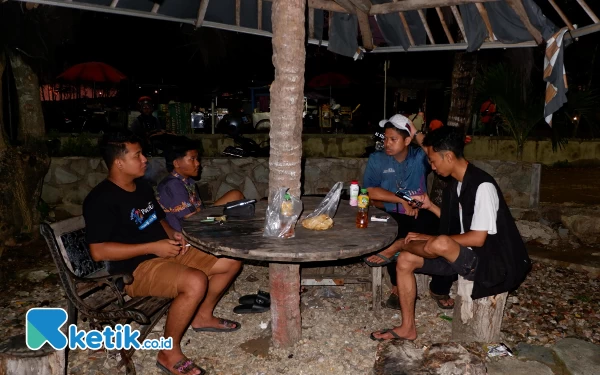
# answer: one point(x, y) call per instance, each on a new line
point(322, 217)
point(281, 216)
point(321, 222)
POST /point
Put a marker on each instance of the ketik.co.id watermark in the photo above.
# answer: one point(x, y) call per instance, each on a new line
point(43, 325)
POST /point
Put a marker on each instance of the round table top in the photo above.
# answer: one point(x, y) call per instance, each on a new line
point(244, 238)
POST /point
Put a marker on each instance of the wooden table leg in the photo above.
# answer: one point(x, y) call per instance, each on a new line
point(377, 288)
point(284, 280)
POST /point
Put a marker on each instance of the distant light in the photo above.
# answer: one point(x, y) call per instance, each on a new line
point(156, 91)
point(575, 118)
point(139, 87)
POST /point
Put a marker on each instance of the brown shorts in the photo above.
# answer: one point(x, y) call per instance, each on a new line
point(159, 277)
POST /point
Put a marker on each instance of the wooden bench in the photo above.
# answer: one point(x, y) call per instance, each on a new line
point(92, 293)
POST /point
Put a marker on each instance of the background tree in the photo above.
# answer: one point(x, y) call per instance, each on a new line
point(24, 161)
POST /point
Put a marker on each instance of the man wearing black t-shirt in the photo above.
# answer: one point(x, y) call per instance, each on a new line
point(126, 227)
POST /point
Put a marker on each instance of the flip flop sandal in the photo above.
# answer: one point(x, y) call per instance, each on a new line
point(391, 331)
point(224, 322)
point(259, 304)
point(385, 262)
point(185, 366)
point(438, 299)
point(261, 298)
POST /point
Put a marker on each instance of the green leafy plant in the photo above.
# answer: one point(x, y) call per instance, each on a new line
point(519, 106)
point(80, 145)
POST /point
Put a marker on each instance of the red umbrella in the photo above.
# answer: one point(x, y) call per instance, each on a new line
point(92, 71)
point(329, 79)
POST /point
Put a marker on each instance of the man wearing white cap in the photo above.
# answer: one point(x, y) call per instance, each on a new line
point(402, 168)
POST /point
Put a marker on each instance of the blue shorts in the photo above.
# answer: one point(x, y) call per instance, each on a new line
point(464, 265)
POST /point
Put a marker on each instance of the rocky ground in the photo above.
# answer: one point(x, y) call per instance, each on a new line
point(553, 303)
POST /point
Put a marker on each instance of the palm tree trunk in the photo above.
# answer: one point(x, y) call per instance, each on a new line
point(31, 117)
point(24, 166)
point(463, 77)
point(287, 95)
point(286, 153)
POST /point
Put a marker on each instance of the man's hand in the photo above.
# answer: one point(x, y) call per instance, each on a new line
point(409, 210)
point(424, 199)
point(412, 236)
point(179, 238)
point(166, 248)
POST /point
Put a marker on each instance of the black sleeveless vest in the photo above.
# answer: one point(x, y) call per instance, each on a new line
point(503, 262)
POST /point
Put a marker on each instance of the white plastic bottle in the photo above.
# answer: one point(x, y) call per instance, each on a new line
point(354, 193)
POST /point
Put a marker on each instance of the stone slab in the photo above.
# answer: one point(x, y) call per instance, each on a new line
point(513, 366)
point(537, 353)
point(579, 357)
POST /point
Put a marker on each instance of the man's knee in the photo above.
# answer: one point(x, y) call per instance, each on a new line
point(193, 282)
point(408, 262)
point(441, 246)
point(236, 195)
point(233, 265)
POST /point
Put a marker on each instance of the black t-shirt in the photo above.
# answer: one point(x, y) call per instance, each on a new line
point(114, 215)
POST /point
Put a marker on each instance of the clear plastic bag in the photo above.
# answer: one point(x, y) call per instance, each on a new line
point(322, 217)
point(281, 221)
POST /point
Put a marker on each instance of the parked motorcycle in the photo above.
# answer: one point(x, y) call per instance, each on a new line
point(246, 147)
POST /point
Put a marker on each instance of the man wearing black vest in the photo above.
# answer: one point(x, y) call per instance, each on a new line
point(479, 240)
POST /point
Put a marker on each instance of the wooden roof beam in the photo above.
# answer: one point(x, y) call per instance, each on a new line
point(364, 5)
point(517, 6)
point(589, 11)
point(365, 29)
point(459, 20)
point(201, 12)
point(427, 30)
point(444, 25)
point(406, 5)
point(562, 15)
point(486, 20)
point(328, 5)
point(347, 5)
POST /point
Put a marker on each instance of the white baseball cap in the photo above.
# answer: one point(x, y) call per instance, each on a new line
point(400, 122)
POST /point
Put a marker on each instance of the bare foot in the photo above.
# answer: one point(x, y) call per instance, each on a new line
point(171, 358)
point(403, 333)
point(213, 322)
point(388, 253)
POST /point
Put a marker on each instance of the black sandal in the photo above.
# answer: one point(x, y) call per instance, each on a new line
point(254, 303)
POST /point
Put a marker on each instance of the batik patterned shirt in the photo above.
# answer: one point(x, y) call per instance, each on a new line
point(178, 197)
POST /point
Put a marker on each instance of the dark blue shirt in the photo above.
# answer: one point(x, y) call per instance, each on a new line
point(410, 175)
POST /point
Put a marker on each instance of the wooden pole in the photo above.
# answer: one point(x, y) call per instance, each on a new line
point(562, 15)
point(424, 20)
point(284, 281)
point(238, 5)
point(259, 5)
point(459, 20)
point(201, 12)
point(155, 8)
point(406, 5)
point(444, 25)
point(486, 20)
point(114, 3)
point(517, 6)
point(589, 11)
